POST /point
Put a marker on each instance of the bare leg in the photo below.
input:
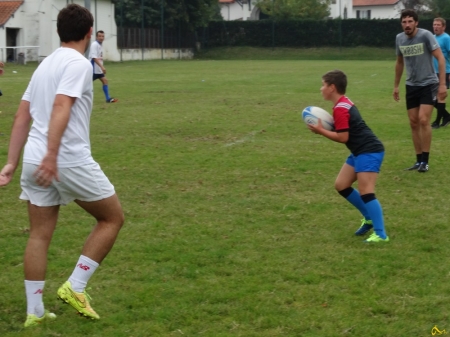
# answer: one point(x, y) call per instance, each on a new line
point(425, 112)
point(413, 115)
point(110, 218)
point(42, 225)
point(345, 178)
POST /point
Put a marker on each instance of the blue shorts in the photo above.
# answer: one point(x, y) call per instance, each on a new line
point(366, 162)
point(97, 76)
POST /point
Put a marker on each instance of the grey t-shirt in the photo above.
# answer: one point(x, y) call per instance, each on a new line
point(416, 52)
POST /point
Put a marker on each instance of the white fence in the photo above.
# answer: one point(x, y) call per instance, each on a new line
point(20, 54)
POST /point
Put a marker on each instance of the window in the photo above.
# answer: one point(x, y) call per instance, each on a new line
point(363, 14)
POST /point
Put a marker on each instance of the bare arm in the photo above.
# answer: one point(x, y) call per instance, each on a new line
point(339, 137)
point(19, 134)
point(48, 170)
point(97, 61)
point(399, 64)
point(442, 92)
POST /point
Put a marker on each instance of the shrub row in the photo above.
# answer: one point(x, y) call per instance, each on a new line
point(304, 33)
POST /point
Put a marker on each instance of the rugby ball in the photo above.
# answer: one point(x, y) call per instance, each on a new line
point(311, 115)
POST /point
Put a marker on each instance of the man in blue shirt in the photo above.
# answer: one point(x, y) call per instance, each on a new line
point(444, 42)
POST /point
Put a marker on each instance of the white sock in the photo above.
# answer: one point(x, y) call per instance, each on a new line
point(82, 273)
point(33, 291)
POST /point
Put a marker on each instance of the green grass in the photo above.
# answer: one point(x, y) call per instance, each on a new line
point(233, 227)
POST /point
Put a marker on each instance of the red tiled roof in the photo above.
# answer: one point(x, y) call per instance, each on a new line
point(374, 2)
point(226, 1)
point(7, 9)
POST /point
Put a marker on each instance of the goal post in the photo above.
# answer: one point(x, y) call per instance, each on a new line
point(20, 54)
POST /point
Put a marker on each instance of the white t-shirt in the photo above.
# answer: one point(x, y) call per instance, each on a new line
point(96, 52)
point(69, 73)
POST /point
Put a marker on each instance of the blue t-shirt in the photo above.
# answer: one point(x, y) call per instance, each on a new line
point(444, 42)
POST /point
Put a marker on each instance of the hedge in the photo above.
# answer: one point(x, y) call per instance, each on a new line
point(304, 33)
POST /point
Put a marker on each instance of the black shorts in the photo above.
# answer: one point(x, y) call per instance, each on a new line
point(416, 96)
point(97, 76)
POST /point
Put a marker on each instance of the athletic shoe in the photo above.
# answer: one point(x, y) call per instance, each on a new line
point(80, 301)
point(413, 168)
point(435, 125)
point(366, 226)
point(445, 122)
point(375, 238)
point(33, 320)
point(423, 167)
point(112, 100)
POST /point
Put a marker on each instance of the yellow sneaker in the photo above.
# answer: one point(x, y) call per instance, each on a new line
point(33, 320)
point(375, 238)
point(80, 301)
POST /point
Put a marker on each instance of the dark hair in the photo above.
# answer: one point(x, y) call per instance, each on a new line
point(100, 31)
point(409, 12)
point(73, 23)
point(338, 78)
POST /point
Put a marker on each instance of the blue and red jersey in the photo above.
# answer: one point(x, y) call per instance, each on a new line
point(361, 138)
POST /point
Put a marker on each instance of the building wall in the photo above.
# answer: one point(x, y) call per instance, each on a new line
point(338, 7)
point(235, 11)
point(36, 20)
point(382, 12)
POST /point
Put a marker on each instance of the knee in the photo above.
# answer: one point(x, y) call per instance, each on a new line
point(340, 185)
point(414, 124)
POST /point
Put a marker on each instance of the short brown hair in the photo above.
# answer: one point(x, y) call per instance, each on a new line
point(441, 20)
point(338, 78)
point(73, 23)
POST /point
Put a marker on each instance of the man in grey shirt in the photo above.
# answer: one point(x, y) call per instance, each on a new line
point(415, 49)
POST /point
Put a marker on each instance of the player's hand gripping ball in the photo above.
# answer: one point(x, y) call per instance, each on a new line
point(311, 115)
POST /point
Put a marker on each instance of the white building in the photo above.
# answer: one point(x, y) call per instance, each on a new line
point(346, 9)
point(239, 10)
point(32, 25)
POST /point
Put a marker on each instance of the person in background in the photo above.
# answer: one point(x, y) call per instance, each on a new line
point(96, 57)
point(415, 49)
point(443, 39)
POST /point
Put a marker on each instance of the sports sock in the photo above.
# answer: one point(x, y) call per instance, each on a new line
point(82, 272)
point(353, 197)
point(373, 206)
point(33, 291)
point(442, 111)
point(106, 91)
point(419, 158)
point(425, 157)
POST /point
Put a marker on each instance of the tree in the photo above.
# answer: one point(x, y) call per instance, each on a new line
point(190, 14)
point(440, 8)
point(295, 9)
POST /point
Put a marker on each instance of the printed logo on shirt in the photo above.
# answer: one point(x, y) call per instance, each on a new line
point(82, 266)
point(412, 50)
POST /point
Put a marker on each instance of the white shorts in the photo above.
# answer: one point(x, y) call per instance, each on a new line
point(84, 183)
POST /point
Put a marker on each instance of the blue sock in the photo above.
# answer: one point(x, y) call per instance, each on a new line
point(106, 91)
point(376, 213)
point(355, 199)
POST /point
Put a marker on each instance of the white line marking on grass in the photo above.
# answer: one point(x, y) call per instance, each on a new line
point(250, 136)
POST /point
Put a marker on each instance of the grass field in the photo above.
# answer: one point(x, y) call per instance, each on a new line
point(233, 227)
